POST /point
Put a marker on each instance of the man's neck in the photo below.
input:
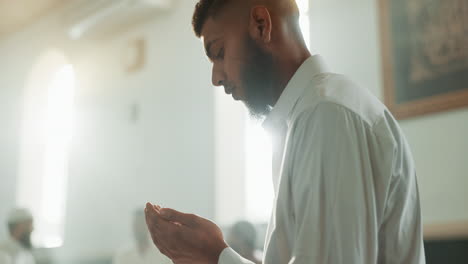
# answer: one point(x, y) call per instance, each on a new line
point(287, 66)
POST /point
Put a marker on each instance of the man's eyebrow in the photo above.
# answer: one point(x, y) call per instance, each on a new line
point(208, 47)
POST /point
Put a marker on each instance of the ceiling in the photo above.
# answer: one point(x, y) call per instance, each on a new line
point(16, 14)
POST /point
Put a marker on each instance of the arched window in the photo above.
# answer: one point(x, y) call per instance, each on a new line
point(46, 130)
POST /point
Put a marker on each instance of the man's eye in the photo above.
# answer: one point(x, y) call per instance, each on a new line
point(220, 54)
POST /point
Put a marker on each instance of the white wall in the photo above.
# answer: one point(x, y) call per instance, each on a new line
point(9, 112)
point(346, 33)
point(166, 156)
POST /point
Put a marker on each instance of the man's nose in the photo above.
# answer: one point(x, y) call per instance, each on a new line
point(217, 77)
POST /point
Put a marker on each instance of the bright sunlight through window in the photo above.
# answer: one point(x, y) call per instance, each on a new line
point(59, 123)
point(304, 20)
point(258, 173)
point(46, 133)
point(259, 187)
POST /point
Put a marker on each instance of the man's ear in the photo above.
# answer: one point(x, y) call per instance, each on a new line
point(260, 24)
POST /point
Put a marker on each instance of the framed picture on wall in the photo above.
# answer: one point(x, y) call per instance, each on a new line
point(424, 55)
point(446, 242)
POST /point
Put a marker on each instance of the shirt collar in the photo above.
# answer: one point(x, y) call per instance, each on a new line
point(293, 91)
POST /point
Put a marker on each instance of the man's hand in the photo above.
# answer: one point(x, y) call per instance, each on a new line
point(184, 238)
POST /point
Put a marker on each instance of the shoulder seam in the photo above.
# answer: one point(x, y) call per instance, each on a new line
point(312, 109)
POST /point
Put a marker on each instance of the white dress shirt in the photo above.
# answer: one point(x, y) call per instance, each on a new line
point(344, 178)
point(16, 252)
point(131, 255)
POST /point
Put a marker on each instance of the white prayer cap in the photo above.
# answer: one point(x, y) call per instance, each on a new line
point(19, 215)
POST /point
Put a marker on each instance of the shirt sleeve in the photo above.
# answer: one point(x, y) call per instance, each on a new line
point(229, 256)
point(335, 206)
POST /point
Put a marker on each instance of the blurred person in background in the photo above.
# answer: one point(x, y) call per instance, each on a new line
point(18, 246)
point(141, 251)
point(242, 238)
point(344, 176)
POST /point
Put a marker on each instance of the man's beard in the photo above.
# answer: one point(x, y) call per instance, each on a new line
point(258, 78)
point(25, 241)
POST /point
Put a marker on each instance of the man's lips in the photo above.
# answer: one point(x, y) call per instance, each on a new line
point(228, 90)
point(232, 91)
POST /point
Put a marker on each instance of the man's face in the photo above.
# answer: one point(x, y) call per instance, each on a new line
point(239, 64)
point(24, 230)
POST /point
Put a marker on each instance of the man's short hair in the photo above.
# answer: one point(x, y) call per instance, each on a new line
point(203, 10)
point(16, 216)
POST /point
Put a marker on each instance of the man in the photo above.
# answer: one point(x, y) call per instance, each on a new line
point(142, 252)
point(19, 247)
point(242, 238)
point(344, 178)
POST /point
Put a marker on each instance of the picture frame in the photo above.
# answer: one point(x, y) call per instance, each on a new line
point(424, 55)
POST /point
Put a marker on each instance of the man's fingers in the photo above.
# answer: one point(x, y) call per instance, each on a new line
point(158, 229)
point(169, 228)
point(152, 213)
point(178, 217)
point(156, 224)
point(151, 207)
